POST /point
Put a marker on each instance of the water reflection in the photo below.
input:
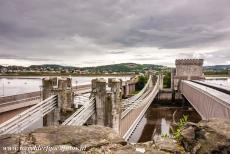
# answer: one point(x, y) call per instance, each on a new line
point(159, 121)
point(164, 127)
point(220, 81)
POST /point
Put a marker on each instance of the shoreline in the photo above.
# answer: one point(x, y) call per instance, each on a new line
point(42, 76)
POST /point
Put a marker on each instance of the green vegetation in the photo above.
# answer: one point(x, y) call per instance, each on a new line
point(46, 69)
point(124, 67)
point(142, 80)
point(217, 70)
point(167, 80)
point(180, 125)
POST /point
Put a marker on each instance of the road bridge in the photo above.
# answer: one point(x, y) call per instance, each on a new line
point(123, 117)
point(208, 99)
point(208, 102)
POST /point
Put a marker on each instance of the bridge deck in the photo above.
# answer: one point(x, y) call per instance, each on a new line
point(208, 102)
point(218, 94)
point(221, 88)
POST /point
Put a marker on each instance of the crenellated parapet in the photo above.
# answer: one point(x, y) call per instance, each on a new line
point(189, 62)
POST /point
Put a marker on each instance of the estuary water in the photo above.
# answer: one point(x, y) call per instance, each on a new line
point(225, 82)
point(159, 121)
point(19, 85)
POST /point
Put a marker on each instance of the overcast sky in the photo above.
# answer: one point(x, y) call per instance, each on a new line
point(98, 32)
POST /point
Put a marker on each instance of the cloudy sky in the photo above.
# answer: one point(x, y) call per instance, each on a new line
point(98, 32)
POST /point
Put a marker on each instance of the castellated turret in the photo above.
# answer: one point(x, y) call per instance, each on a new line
point(188, 69)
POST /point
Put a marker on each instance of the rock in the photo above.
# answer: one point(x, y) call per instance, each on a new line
point(169, 145)
point(212, 136)
point(78, 137)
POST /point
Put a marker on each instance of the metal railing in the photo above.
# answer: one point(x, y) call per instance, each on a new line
point(28, 117)
point(129, 103)
point(81, 115)
point(132, 115)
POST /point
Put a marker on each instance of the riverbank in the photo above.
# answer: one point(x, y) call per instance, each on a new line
point(42, 76)
point(61, 74)
point(217, 75)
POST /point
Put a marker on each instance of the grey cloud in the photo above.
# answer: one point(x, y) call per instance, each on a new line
point(116, 52)
point(72, 30)
point(16, 57)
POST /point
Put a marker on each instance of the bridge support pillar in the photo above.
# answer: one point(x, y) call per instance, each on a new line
point(100, 96)
point(115, 104)
point(108, 103)
point(62, 87)
point(93, 118)
point(126, 91)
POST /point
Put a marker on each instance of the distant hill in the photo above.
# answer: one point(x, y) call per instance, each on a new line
point(50, 66)
point(123, 67)
point(217, 68)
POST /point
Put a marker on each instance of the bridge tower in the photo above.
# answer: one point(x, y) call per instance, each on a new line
point(186, 69)
point(62, 87)
point(108, 103)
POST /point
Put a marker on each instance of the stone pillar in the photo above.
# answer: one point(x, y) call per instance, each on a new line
point(53, 117)
point(100, 96)
point(93, 118)
point(126, 89)
point(62, 87)
point(173, 72)
point(65, 94)
point(93, 87)
point(108, 104)
point(116, 105)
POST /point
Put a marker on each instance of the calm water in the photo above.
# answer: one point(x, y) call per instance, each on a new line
point(158, 121)
point(220, 81)
point(14, 85)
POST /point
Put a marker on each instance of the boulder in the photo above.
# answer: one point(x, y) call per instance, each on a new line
point(212, 136)
point(79, 139)
point(57, 138)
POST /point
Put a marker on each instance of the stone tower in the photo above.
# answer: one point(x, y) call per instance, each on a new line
point(187, 69)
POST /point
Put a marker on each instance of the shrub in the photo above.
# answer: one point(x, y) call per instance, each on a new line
point(180, 125)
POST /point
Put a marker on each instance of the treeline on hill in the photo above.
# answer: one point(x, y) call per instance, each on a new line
point(124, 67)
point(217, 70)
